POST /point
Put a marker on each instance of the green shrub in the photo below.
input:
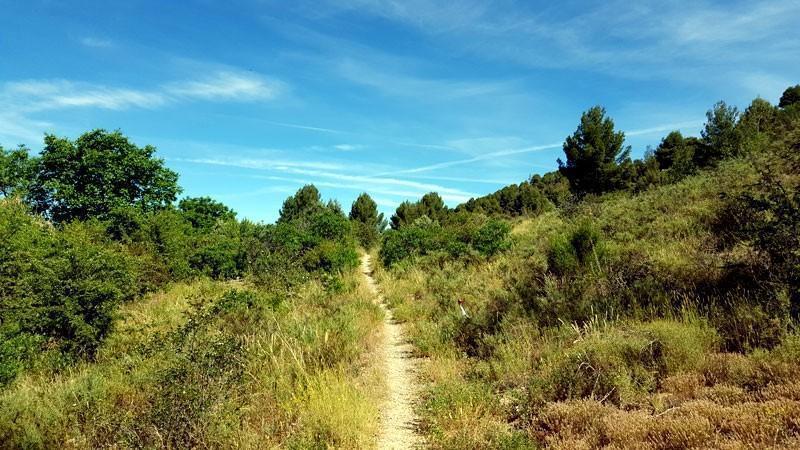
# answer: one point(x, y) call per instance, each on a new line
point(492, 237)
point(463, 235)
point(59, 286)
point(581, 247)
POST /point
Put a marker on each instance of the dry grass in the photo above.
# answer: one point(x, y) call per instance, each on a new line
point(257, 373)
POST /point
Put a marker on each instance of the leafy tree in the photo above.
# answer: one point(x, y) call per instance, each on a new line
point(97, 173)
point(59, 286)
point(403, 215)
point(756, 124)
point(791, 96)
point(512, 200)
point(640, 174)
point(369, 222)
point(219, 252)
point(594, 153)
point(306, 202)
point(531, 200)
point(16, 169)
point(720, 137)
point(432, 205)
point(554, 185)
point(334, 206)
point(759, 117)
point(676, 154)
point(204, 212)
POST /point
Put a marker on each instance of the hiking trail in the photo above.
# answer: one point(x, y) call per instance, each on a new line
point(398, 419)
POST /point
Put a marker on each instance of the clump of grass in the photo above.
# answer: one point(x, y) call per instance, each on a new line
point(618, 364)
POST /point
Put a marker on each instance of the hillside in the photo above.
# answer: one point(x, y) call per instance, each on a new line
point(660, 318)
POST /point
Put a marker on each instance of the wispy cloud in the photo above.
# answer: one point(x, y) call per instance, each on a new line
point(305, 127)
point(39, 95)
point(348, 147)
point(96, 42)
point(263, 163)
point(15, 128)
point(29, 96)
point(483, 157)
point(397, 83)
point(493, 155)
point(227, 85)
point(673, 40)
point(332, 175)
point(666, 127)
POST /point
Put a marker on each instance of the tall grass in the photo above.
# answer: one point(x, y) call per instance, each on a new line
point(609, 323)
point(213, 364)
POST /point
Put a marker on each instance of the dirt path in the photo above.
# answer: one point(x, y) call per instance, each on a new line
point(398, 420)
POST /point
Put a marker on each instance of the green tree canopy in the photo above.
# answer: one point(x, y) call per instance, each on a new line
point(97, 173)
point(594, 153)
point(306, 202)
point(791, 96)
point(16, 170)
point(204, 212)
point(720, 137)
point(370, 223)
point(430, 205)
point(677, 155)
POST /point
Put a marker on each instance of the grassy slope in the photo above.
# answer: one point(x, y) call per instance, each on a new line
point(498, 380)
point(211, 364)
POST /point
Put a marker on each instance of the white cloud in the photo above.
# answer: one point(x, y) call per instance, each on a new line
point(227, 85)
point(15, 129)
point(691, 41)
point(666, 127)
point(348, 147)
point(263, 163)
point(40, 95)
point(95, 42)
point(305, 127)
point(493, 142)
point(483, 157)
point(396, 83)
point(329, 175)
point(766, 85)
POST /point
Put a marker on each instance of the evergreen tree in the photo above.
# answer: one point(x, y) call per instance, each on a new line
point(791, 96)
point(303, 204)
point(369, 222)
point(721, 139)
point(594, 154)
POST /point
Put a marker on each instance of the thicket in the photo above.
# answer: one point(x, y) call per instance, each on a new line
point(461, 235)
point(89, 224)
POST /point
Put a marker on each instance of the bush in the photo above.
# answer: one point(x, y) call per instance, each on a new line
point(461, 235)
point(579, 248)
point(492, 237)
point(59, 287)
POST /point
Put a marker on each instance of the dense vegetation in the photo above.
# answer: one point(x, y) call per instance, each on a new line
point(120, 308)
point(649, 303)
point(653, 306)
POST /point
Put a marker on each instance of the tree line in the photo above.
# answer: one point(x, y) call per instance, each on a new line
point(94, 222)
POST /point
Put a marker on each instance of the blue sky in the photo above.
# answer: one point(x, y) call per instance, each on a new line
point(249, 100)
